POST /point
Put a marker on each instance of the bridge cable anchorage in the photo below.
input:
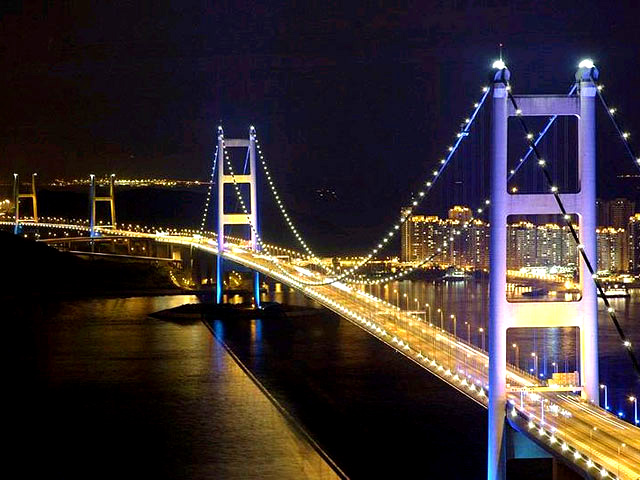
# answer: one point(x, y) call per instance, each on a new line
point(624, 135)
point(567, 218)
point(208, 198)
point(406, 214)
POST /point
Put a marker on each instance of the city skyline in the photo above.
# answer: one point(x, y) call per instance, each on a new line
point(534, 241)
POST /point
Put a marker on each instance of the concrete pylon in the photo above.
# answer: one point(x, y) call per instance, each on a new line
point(504, 314)
point(16, 200)
point(237, 218)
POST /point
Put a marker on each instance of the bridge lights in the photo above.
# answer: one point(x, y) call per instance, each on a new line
point(635, 409)
point(499, 64)
point(586, 63)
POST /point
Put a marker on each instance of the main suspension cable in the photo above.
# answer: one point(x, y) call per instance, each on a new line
point(406, 213)
point(207, 201)
point(624, 135)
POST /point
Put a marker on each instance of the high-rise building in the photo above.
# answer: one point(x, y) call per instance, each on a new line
point(460, 213)
point(528, 244)
point(446, 241)
point(405, 237)
point(521, 245)
point(612, 245)
point(425, 235)
point(633, 234)
point(602, 212)
point(620, 210)
point(478, 245)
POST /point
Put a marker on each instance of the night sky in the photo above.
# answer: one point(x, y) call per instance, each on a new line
point(358, 97)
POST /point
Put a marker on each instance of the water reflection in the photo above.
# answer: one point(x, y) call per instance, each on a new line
point(116, 388)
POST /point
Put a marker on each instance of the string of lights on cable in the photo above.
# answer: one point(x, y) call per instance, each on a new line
point(283, 211)
point(624, 134)
point(406, 213)
point(479, 210)
point(543, 165)
point(208, 199)
point(363, 280)
point(264, 247)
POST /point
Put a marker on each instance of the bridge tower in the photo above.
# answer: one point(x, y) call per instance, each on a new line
point(503, 314)
point(237, 218)
point(93, 200)
point(17, 196)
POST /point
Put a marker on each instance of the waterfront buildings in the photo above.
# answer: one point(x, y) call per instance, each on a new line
point(634, 243)
point(528, 244)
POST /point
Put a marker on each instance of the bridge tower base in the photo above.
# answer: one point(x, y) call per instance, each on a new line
point(504, 314)
point(237, 218)
point(16, 200)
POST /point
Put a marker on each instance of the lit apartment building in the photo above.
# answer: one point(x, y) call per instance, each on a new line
point(612, 244)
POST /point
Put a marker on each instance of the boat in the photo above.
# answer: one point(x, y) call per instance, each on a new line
point(455, 275)
point(615, 291)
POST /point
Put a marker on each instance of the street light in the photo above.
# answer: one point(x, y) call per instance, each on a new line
point(517, 359)
point(404, 295)
point(635, 409)
point(441, 319)
point(455, 323)
point(535, 368)
point(481, 330)
point(417, 304)
point(428, 313)
point(468, 332)
point(606, 395)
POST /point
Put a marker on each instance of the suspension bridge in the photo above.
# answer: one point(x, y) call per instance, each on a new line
point(527, 416)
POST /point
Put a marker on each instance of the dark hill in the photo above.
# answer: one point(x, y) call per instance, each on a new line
point(32, 268)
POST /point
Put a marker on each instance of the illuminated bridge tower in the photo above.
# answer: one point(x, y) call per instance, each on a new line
point(237, 218)
point(93, 200)
point(16, 200)
point(503, 314)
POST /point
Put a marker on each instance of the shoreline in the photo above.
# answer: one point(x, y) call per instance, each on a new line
point(290, 419)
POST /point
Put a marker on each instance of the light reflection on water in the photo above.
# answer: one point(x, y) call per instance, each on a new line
point(102, 384)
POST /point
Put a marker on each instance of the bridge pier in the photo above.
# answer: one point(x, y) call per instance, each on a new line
point(525, 460)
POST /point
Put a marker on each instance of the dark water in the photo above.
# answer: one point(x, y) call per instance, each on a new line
point(97, 387)
point(377, 414)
